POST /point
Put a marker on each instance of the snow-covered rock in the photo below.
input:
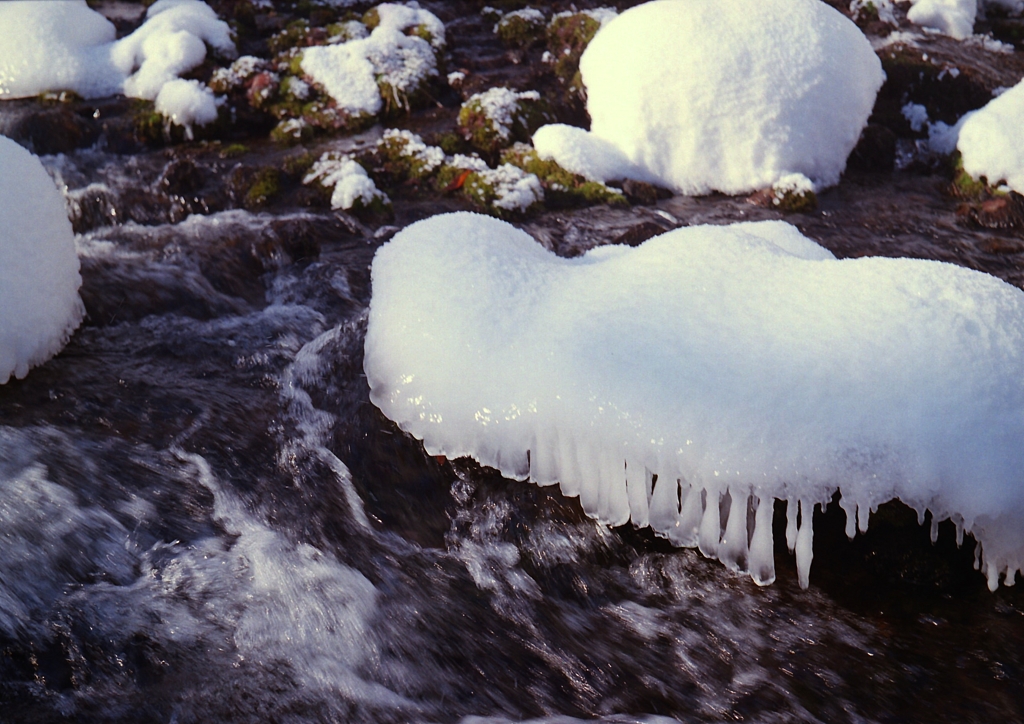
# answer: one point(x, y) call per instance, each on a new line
point(592, 157)
point(352, 187)
point(731, 95)
point(951, 17)
point(39, 279)
point(739, 364)
point(991, 140)
point(186, 103)
point(355, 73)
point(64, 45)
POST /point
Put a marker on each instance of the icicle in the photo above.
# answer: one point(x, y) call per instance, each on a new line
point(863, 512)
point(805, 544)
point(732, 550)
point(590, 483)
point(614, 499)
point(1010, 577)
point(544, 460)
point(689, 517)
point(568, 470)
point(933, 533)
point(762, 546)
point(920, 515)
point(665, 505)
point(791, 511)
point(850, 508)
point(959, 522)
point(977, 556)
point(710, 525)
point(992, 574)
point(638, 490)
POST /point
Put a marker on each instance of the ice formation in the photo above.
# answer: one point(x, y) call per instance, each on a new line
point(731, 95)
point(688, 383)
point(39, 279)
point(186, 103)
point(991, 140)
point(351, 72)
point(64, 45)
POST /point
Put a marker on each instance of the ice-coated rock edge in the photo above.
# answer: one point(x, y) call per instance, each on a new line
point(708, 371)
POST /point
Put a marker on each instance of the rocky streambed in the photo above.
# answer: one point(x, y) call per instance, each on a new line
point(205, 519)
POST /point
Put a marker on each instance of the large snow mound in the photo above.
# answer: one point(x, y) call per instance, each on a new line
point(737, 364)
point(731, 95)
point(991, 140)
point(63, 45)
point(39, 279)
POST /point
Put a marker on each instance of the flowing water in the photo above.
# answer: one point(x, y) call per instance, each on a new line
point(203, 518)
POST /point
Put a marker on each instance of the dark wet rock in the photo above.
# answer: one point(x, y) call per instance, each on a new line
point(641, 192)
point(48, 128)
point(875, 151)
point(637, 235)
point(182, 177)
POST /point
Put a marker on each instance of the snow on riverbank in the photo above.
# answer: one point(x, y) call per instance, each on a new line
point(39, 279)
point(710, 370)
point(731, 96)
point(64, 45)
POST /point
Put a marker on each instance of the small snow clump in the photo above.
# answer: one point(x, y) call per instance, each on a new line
point(991, 141)
point(690, 382)
point(501, 107)
point(592, 157)
point(884, 9)
point(352, 186)
point(186, 103)
point(731, 95)
point(357, 72)
point(65, 45)
point(950, 17)
point(39, 271)
point(514, 188)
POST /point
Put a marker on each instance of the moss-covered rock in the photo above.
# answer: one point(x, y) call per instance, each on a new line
point(495, 119)
point(521, 28)
point(568, 35)
point(402, 156)
point(507, 191)
point(266, 184)
point(562, 188)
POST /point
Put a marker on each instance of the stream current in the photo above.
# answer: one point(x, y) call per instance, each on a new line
point(203, 518)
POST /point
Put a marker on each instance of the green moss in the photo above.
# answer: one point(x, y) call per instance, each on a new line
point(561, 187)
point(234, 150)
point(568, 37)
point(266, 184)
point(295, 35)
point(398, 161)
point(298, 164)
point(795, 202)
point(371, 18)
point(520, 32)
point(451, 143)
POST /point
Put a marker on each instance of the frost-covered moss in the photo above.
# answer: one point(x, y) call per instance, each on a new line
point(506, 191)
point(403, 155)
point(353, 189)
point(521, 28)
point(794, 193)
point(967, 187)
point(494, 119)
point(568, 35)
point(561, 187)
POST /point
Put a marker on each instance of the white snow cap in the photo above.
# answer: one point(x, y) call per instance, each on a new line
point(991, 140)
point(590, 156)
point(731, 95)
point(350, 181)
point(739, 364)
point(65, 45)
point(349, 72)
point(951, 17)
point(39, 279)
